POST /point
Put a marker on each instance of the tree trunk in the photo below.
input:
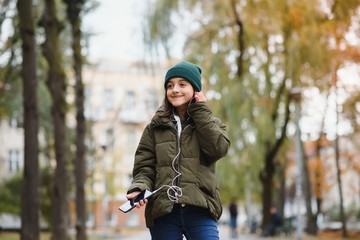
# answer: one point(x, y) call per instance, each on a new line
point(240, 39)
point(281, 193)
point(73, 10)
point(30, 190)
point(337, 161)
point(318, 178)
point(342, 213)
point(311, 224)
point(266, 178)
point(57, 86)
point(319, 171)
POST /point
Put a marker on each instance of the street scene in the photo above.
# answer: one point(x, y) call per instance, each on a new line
point(236, 118)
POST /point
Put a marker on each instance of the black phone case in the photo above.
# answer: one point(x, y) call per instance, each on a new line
point(130, 204)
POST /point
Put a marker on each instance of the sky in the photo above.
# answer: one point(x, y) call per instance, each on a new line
point(117, 25)
point(117, 28)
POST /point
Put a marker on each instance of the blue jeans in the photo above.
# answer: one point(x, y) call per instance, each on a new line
point(233, 226)
point(193, 222)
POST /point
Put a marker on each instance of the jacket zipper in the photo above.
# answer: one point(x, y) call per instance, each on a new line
point(178, 158)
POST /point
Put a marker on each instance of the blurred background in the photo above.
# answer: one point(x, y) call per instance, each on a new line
point(80, 79)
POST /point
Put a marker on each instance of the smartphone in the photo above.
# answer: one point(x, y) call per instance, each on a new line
point(130, 204)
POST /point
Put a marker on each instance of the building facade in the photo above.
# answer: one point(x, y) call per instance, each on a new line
point(121, 98)
point(12, 148)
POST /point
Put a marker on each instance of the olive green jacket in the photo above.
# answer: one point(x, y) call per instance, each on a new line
point(202, 142)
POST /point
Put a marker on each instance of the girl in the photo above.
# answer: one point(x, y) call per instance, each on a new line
point(176, 157)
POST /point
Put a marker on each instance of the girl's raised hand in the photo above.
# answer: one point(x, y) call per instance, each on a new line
point(200, 97)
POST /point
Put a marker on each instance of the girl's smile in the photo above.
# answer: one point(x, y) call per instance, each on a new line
point(179, 92)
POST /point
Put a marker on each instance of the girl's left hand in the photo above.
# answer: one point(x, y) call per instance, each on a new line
point(200, 97)
point(133, 195)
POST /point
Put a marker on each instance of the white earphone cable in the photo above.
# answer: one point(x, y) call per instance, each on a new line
point(174, 191)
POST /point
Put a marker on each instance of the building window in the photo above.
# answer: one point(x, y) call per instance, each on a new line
point(110, 137)
point(130, 100)
point(131, 140)
point(13, 161)
point(109, 99)
point(15, 121)
point(151, 101)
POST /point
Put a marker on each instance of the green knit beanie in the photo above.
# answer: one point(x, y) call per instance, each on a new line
point(188, 71)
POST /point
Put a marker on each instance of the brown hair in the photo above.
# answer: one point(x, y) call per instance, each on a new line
point(168, 107)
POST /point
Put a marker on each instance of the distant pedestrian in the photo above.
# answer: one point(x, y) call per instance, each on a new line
point(275, 222)
point(233, 210)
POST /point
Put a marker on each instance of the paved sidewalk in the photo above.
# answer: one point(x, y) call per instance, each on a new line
point(143, 234)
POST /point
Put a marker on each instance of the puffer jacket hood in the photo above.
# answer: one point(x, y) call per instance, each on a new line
point(203, 141)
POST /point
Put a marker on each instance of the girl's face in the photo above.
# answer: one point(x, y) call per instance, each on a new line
point(179, 92)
